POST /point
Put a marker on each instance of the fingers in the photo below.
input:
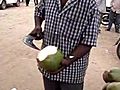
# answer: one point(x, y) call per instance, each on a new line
point(37, 33)
point(37, 60)
point(38, 63)
point(55, 72)
point(65, 62)
point(39, 36)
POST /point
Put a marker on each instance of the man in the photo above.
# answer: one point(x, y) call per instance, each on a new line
point(72, 26)
point(27, 2)
point(114, 16)
point(35, 2)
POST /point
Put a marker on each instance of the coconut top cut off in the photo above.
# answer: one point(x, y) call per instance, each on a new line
point(48, 50)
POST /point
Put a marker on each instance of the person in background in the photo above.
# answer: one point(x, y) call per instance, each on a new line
point(114, 16)
point(101, 5)
point(72, 26)
point(27, 2)
point(35, 2)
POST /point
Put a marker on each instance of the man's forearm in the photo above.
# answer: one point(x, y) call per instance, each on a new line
point(38, 21)
point(80, 51)
point(37, 31)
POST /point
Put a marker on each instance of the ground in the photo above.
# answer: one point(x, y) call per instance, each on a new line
point(18, 67)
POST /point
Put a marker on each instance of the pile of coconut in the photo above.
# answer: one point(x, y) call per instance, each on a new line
point(112, 79)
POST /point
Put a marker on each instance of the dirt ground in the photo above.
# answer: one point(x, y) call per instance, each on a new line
point(18, 67)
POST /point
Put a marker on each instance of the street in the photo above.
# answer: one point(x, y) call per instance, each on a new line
point(18, 67)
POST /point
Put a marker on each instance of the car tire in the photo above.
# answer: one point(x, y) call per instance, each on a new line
point(17, 4)
point(3, 5)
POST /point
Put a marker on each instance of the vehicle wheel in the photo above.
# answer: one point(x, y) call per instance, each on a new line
point(105, 19)
point(118, 50)
point(17, 4)
point(3, 5)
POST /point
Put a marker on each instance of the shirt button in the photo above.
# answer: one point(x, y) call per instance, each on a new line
point(55, 32)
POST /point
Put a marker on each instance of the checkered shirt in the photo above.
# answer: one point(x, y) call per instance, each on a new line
point(74, 24)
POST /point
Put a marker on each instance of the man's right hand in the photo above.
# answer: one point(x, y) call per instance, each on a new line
point(37, 33)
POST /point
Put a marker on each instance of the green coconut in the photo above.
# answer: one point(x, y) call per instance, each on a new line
point(50, 58)
point(113, 86)
point(105, 77)
point(112, 76)
point(105, 86)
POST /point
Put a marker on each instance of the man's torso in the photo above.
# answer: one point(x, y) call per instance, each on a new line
point(65, 27)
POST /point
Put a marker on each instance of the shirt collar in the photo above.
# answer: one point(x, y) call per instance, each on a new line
point(68, 5)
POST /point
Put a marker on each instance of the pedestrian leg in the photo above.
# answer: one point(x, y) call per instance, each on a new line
point(117, 23)
point(111, 20)
point(66, 86)
point(27, 2)
point(51, 85)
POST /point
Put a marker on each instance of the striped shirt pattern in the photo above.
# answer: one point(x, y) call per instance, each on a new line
point(74, 24)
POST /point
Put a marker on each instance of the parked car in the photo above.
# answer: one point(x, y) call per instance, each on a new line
point(108, 3)
point(4, 3)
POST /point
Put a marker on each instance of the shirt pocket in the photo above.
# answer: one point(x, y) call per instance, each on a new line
point(74, 13)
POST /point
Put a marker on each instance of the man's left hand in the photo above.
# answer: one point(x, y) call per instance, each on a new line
point(64, 64)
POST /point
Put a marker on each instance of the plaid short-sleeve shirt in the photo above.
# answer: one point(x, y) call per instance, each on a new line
point(76, 23)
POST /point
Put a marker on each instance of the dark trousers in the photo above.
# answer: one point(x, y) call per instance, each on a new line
point(117, 23)
point(27, 2)
point(35, 2)
point(114, 18)
point(55, 85)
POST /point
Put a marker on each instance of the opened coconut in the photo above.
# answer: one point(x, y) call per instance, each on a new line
point(50, 58)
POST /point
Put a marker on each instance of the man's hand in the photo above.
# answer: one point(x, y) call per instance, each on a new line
point(38, 63)
point(37, 33)
point(64, 64)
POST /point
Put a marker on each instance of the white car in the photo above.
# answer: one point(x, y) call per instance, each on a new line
point(108, 3)
point(4, 3)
